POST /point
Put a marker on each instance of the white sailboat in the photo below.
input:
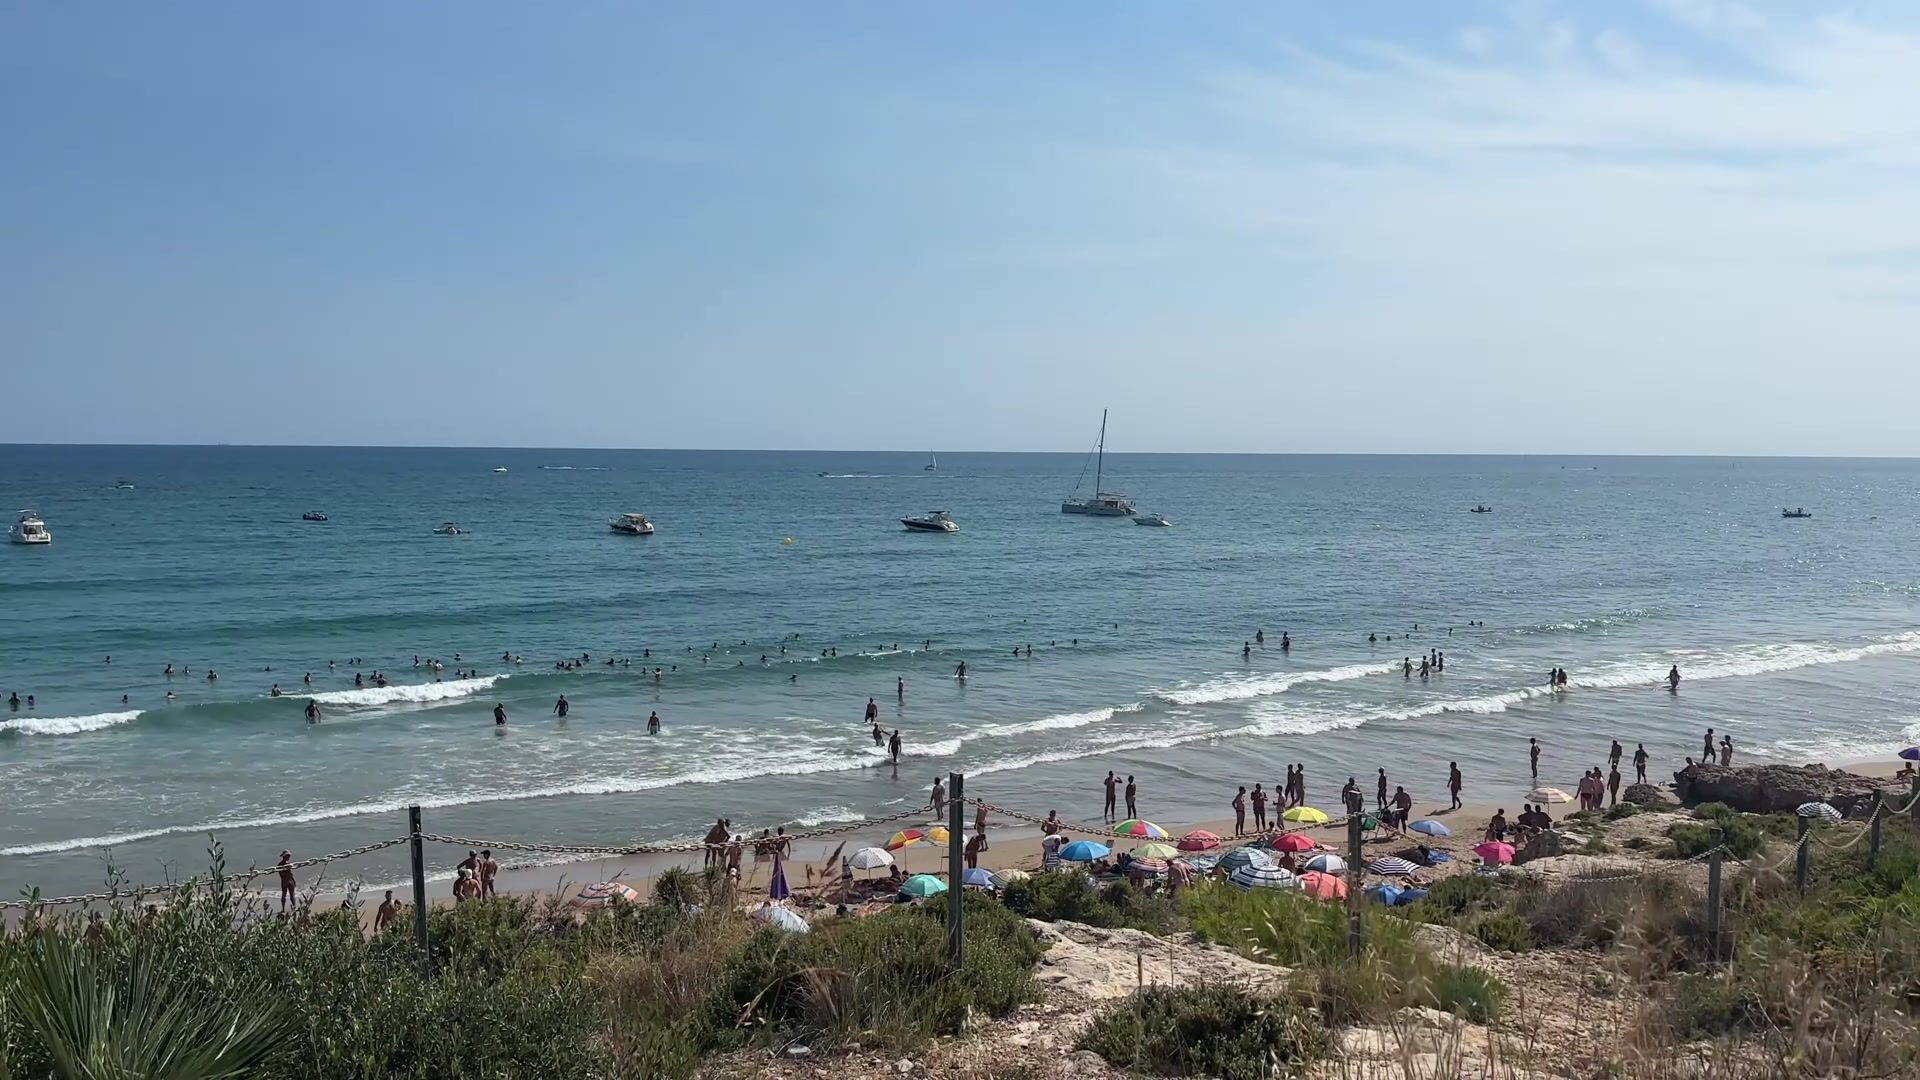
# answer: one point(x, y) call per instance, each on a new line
point(933, 462)
point(1103, 503)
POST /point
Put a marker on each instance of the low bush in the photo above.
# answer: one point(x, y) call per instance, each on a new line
point(1503, 930)
point(1463, 894)
point(1466, 992)
point(1622, 811)
point(1073, 897)
point(1205, 1031)
point(1709, 1005)
point(1659, 915)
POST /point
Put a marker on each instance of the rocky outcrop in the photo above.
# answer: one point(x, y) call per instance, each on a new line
point(1104, 964)
point(1646, 795)
point(1544, 845)
point(1772, 789)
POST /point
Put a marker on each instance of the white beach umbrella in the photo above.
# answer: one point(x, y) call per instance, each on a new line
point(871, 858)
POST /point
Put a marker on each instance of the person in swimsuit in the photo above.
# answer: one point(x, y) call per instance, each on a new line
point(313, 711)
point(1259, 808)
point(499, 714)
point(389, 911)
point(1640, 763)
point(653, 723)
point(487, 868)
point(1239, 811)
point(286, 880)
point(1106, 808)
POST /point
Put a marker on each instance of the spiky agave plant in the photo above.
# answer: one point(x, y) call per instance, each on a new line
point(100, 1020)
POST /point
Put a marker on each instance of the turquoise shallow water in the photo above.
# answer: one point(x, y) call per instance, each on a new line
point(1797, 637)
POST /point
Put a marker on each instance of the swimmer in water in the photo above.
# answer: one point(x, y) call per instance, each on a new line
point(961, 671)
point(900, 688)
point(275, 692)
point(1260, 636)
point(499, 714)
point(1246, 650)
point(653, 723)
point(1673, 677)
point(560, 707)
point(313, 711)
point(1286, 643)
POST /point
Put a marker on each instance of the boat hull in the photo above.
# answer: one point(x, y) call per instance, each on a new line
point(925, 526)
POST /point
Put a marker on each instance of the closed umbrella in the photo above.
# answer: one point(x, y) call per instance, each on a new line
point(1246, 856)
point(1139, 829)
point(1494, 851)
point(1155, 851)
point(1323, 886)
point(1305, 815)
point(1084, 851)
point(1327, 863)
point(1548, 795)
point(1824, 811)
point(1430, 827)
point(605, 894)
point(784, 918)
point(871, 858)
point(777, 888)
point(1291, 841)
point(921, 886)
point(1392, 866)
point(978, 879)
point(1262, 877)
point(1199, 840)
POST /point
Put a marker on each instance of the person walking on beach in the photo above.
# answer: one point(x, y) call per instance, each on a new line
point(1300, 783)
point(1112, 785)
point(1132, 813)
point(893, 746)
point(1613, 784)
point(1400, 809)
point(939, 798)
point(979, 817)
point(1453, 783)
point(1380, 791)
point(1259, 808)
point(976, 844)
point(286, 880)
point(488, 869)
point(1640, 763)
point(560, 707)
point(715, 840)
point(1533, 757)
point(1240, 812)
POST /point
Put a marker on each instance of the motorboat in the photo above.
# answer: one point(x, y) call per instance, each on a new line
point(631, 525)
point(448, 529)
point(931, 521)
point(313, 515)
point(499, 468)
point(933, 462)
point(30, 530)
point(1796, 512)
point(122, 485)
point(1157, 520)
point(1101, 503)
point(1483, 508)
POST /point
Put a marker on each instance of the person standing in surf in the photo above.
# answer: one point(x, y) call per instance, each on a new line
point(1106, 809)
point(560, 707)
point(1533, 757)
point(499, 714)
point(1673, 677)
point(893, 746)
point(1640, 763)
point(873, 711)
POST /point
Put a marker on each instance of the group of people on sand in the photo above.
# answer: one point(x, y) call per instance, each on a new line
point(1285, 796)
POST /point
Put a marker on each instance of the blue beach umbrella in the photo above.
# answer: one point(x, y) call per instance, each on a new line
point(1084, 851)
point(1911, 753)
point(1408, 896)
point(1386, 894)
point(778, 890)
point(1430, 827)
point(1247, 856)
point(1262, 877)
point(979, 879)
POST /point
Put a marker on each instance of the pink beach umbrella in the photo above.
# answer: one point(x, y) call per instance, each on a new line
point(1323, 886)
point(1198, 840)
point(1494, 851)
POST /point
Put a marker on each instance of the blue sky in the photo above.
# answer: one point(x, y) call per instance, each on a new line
point(1674, 226)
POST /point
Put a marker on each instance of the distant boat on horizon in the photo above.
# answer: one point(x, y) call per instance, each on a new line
point(1103, 503)
point(933, 463)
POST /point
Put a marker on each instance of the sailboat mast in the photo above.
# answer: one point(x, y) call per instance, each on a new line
point(1100, 461)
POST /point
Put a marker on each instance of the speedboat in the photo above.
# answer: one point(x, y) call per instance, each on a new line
point(448, 529)
point(931, 521)
point(30, 530)
point(1157, 520)
point(1796, 512)
point(313, 515)
point(500, 468)
point(1483, 508)
point(631, 524)
point(122, 486)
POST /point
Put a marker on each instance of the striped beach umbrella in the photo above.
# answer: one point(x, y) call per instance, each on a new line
point(1323, 886)
point(1198, 840)
point(1392, 866)
point(1821, 810)
point(1548, 795)
point(1246, 856)
point(1305, 815)
point(1494, 851)
point(1430, 827)
point(1140, 829)
point(905, 838)
point(1084, 851)
point(1156, 851)
point(1262, 877)
point(1154, 867)
point(921, 886)
point(1291, 841)
point(1327, 863)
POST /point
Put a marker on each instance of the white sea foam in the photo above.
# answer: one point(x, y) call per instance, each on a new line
point(831, 815)
point(1058, 722)
point(1163, 741)
point(1240, 689)
point(409, 694)
point(67, 725)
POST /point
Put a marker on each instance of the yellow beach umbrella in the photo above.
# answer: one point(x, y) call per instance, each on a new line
point(1305, 815)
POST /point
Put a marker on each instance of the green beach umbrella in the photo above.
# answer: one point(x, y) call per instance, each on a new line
point(921, 886)
point(1155, 851)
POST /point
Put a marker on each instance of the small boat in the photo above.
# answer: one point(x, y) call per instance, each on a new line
point(30, 530)
point(1796, 512)
point(631, 525)
point(1102, 503)
point(313, 515)
point(933, 463)
point(1156, 520)
point(931, 521)
point(448, 529)
point(122, 486)
point(499, 468)
point(1483, 508)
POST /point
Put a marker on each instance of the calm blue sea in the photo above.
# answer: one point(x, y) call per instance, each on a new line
point(1797, 637)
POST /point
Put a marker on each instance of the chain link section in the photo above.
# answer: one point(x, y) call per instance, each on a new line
point(682, 847)
point(141, 892)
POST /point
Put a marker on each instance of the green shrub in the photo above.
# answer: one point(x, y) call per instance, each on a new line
point(1622, 811)
point(1505, 931)
point(1205, 1031)
point(1072, 897)
point(1463, 894)
point(1709, 1005)
point(1466, 992)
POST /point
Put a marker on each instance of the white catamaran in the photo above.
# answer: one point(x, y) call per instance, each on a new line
point(1103, 503)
